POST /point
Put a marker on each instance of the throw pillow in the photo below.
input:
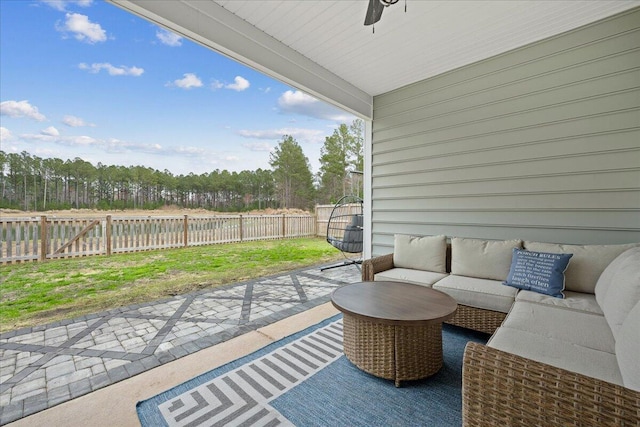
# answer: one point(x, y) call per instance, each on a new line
point(624, 292)
point(541, 272)
point(427, 253)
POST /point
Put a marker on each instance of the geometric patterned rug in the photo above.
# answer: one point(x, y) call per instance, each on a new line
point(305, 380)
point(242, 395)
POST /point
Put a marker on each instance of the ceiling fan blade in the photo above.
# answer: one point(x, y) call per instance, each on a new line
point(374, 12)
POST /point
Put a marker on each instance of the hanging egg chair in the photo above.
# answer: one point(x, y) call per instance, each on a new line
point(344, 230)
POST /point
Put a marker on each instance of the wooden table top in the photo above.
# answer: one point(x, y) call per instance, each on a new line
point(394, 303)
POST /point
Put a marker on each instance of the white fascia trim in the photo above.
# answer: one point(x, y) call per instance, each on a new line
point(211, 25)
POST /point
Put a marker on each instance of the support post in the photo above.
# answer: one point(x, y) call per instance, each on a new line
point(241, 230)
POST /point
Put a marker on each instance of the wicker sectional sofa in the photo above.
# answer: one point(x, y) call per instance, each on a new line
point(549, 361)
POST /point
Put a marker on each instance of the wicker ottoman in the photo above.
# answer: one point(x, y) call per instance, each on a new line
point(393, 330)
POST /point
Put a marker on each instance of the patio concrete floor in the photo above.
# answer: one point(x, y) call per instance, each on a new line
point(72, 366)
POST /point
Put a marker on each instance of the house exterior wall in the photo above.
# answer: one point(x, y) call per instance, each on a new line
point(540, 143)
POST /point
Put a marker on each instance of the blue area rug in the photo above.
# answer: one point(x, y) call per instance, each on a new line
point(305, 380)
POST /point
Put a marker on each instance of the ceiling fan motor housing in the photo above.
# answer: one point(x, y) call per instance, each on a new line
point(374, 11)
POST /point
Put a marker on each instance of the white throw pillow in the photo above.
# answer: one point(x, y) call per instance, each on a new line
point(484, 259)
point(607, 277)
point(623, 292)
point(427, 253)
point(587, 264)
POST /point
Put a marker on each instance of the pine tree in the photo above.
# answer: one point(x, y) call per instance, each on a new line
point(334, 164)
point(292, 174)
point(356, 154)
point(30, 182)
point(341, 155)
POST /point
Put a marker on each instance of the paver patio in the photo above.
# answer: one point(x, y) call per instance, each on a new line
point(43, 366)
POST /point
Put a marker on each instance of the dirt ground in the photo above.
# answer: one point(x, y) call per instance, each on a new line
point(167, 211)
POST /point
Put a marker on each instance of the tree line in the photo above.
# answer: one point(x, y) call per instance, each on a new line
point(31, 183)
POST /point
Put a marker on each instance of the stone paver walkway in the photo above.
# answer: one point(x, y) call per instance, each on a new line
point(46, 365)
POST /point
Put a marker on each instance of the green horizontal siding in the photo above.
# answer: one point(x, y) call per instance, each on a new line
point(540, 143)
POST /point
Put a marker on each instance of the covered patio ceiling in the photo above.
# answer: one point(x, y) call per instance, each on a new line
point(323, 48)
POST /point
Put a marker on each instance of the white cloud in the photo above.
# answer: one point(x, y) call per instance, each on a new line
point(61, 4)
point(122, 70)
point(262, 134)
point(297, 102)
point(174, 152)
point(118, 146)
point(21, 109)
point(50, 131)
point(5, 134)
point(188, 151)
point(258, 146)
point(83, 29)
point(240, 84)
point(83, 140)
point(72, 141)
point(75, 122)
point(113, 145)
point(189, 81)
point(168, 38)
point(265, 90)
point(300, 134)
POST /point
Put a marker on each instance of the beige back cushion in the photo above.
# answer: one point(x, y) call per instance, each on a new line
point(628, 350)
point(484, 259)
point(623, 292)
point(587, 262)
point(427, 253)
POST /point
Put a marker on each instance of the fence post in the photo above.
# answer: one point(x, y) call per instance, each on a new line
point(241, 230)
point(284, 226)
point(185, 234)
point(108, 236)
point(315, 224)
point(43, 238)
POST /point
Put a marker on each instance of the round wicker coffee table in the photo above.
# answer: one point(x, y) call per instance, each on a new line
point(393, 330)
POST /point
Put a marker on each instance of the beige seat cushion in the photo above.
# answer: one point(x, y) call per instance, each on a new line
point(427, 253)
point(483, 259)
point(580, 328)
point(587, 263)
point(407, 275)
point(572, 300)
point(558, 353)
point(628, 349)
point(479, 293)
point(622, 291)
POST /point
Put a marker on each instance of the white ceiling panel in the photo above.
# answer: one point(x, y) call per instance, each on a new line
point(326, 50)
point(431, 37)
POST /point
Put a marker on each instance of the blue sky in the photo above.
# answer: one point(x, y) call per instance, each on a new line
point(87, 79)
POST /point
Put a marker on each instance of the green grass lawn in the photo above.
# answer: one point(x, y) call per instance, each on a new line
point(38, 293)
